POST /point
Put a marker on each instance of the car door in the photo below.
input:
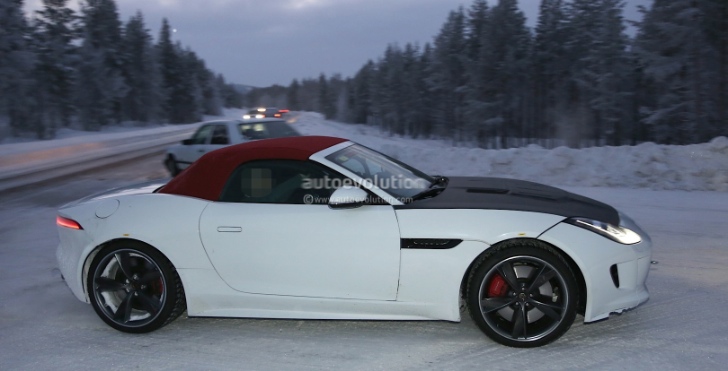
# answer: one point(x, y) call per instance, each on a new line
point(196, 146)
point(273, 234)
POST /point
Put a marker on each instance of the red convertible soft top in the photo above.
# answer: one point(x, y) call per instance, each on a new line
point(206, 177)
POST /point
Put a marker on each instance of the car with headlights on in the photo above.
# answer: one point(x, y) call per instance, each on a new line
point(213, 135)
point(324, 228)
point(269, 112)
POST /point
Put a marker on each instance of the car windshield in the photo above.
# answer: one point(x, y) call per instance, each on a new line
point(267, 130)
point(396, 178)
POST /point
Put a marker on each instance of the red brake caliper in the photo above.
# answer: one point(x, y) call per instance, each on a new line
point(497, 287)
point(160, 286)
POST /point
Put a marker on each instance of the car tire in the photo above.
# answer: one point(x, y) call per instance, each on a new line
point(134, 288)
point(171, 164)
point(522, 293)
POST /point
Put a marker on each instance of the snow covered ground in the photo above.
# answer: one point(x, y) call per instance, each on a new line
point(682, 326)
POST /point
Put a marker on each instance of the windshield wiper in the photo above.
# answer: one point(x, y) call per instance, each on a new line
point(435, 188)
point(440, 180)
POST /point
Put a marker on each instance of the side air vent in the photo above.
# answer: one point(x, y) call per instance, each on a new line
point(428, 243)
point(614, 272)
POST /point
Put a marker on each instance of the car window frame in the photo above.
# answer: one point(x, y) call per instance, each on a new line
point(396, 192)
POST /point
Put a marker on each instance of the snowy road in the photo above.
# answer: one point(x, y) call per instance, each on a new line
point(683, 326)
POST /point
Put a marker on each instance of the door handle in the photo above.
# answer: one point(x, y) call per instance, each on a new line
point(229, 229)
point(201, 150)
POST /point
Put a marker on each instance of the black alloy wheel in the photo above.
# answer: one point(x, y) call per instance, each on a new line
point(522, 293)
point(134, 288)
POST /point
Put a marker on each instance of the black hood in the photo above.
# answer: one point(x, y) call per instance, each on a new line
point(518, 195)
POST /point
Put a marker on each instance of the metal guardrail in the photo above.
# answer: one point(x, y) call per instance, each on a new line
point(38, 166)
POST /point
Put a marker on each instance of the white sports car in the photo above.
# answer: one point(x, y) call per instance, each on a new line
point(323, 228)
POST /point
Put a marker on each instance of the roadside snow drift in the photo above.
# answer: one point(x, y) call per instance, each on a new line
point(695, 167)
point(648, 165)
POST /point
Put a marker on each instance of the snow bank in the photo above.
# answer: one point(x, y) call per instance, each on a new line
point(648, 165)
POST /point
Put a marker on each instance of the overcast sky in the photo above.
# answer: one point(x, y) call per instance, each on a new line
point(266, 42)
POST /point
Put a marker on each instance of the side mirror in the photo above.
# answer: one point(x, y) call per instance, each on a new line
point(187, 142)
point(348, 197)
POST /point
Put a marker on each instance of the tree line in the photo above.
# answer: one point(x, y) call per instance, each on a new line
point(577, 78)
point(60, 68)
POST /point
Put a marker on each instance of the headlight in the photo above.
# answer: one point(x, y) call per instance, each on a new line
point(619, 234)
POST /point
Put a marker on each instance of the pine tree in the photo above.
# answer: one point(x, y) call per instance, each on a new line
point(188, 93)
point(292, 95)
point(391, 83)
point(426, 125)
point(100, 83)
point(478, 16)
point(338, 92)
point(170, 66)
point(479, 72)
point(715, 26)
point(309, 94)
point(54, 33)
point(16, 63)
point(681, 67)
point(326, 96)
point(550, 67)
point(447, 78)
point(412, 90)
point(377, 93)
point(211, 96)
point(507, 55)
point(229, 94)
point(599, 71)
point(183, 96)
point(359, 102)
point(142, 102)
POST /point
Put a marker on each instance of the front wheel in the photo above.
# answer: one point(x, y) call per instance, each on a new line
point(134, 288)
point(522, 294)
point(171, 164)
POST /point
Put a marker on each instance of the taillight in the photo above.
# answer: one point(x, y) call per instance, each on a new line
point(68, 223)
point(277, 115)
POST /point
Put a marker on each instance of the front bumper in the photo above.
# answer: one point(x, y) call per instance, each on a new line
point(614, 274)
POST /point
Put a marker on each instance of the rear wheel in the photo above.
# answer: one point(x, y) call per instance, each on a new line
point(522, 294)
point(134, 288)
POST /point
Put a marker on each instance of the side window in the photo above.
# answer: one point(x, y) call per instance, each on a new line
point(202, 135)
point(220, 135)
point(281, 182)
